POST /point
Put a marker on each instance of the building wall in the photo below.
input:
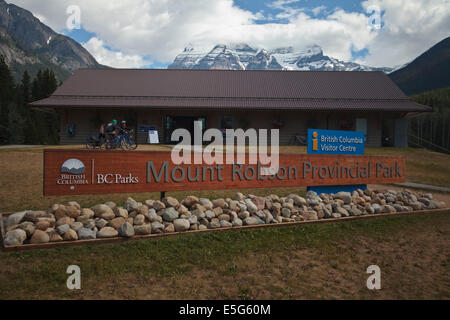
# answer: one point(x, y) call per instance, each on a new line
point(295, 122)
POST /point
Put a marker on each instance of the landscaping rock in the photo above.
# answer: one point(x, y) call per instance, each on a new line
point(181, 225)
point(15, 237)
point(86, 234)
point(250, 221)
point(170, 202)
point(107, 232)
point(116, 223)
point(16, 218)
point(126, 230)
point(143, 230)
point(70, 235)
point(170, 214)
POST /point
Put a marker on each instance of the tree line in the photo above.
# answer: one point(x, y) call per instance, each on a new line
point(432, 130)
point(19, 124)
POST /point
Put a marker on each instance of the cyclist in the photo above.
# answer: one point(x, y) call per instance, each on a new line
point(111, 130)
point(124, 126)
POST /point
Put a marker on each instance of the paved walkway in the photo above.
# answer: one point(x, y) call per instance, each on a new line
point(422, 186)
point(18, 146)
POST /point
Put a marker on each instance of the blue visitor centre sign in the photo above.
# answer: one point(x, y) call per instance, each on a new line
point(336, 142)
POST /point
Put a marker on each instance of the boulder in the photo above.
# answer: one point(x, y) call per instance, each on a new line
point(103, 211)
point(225, 224)
point(170, 214)
point(310, 215)
point(111, 204)
point(72, 211)
point(152, 216)
point(100, 223)
point(157, 227)
point(158, 205)
point(60, 212)
point(239, 196)
point(344, 196)
point(116, 223)
point(43, 225)
point(139, 219)
point(181, 225)
point(343, 212)
point(259, 202)
point(76, 226)
point(251, 207)
point(62, 229)
point(251, 221)
point(15, 237)
point(126, 230)
point(28, 227)
point(237, 222)
point(86, 234)
point(121, 212)
point(285, 212)
point(107, 232)
point(224, 217)
point(143, 230)
point(34, 216)
point(170, 202)
point(16, 218)
point(190, 201)
point(87, 212)
point(70, 235)
point(131, 205)
point(221, 203)
point(65, 220)
point(170, 228)
point(74, 204)
point(193, 220)
point(244, 215)
point(55, 237)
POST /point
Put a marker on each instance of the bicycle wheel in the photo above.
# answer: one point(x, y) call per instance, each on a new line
point(132, 145)
point(123, 144)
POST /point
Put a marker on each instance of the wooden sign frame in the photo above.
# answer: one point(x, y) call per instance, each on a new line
point(76, 172)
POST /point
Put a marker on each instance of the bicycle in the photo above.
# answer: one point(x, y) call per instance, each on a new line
point(129, 141)
point(94, 142)
point(125, 141)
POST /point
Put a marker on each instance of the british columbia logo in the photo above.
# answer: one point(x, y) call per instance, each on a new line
point(73, 173)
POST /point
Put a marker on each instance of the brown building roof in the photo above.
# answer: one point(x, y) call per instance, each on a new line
point(222, 89)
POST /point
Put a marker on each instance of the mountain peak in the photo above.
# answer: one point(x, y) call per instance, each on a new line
point(28, 40)
point(242, 56)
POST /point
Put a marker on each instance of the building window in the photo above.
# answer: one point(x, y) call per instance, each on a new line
point(227, 122)
point(346, 125)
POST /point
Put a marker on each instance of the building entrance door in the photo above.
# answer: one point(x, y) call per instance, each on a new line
point(173, 123)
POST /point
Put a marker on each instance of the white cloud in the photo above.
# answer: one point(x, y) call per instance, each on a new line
point(109, 57)
point(318, 10)
point(410, 27)
point(162, 28)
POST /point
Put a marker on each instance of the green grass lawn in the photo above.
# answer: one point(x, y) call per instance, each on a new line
point(313, 261)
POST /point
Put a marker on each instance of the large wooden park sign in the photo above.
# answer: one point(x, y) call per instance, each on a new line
point(76, 172)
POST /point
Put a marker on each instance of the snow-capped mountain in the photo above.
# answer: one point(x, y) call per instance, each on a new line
point(244, 57)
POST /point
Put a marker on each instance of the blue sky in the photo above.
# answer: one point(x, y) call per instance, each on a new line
point(144, 33)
